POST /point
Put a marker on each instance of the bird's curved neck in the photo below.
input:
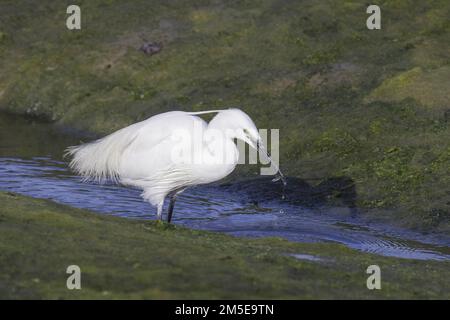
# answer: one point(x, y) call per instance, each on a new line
point(219, 122)
point(219, 142)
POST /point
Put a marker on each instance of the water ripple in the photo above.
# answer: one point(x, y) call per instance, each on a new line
point(216, 208)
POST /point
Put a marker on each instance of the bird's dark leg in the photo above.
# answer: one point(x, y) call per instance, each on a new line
point(171, 205)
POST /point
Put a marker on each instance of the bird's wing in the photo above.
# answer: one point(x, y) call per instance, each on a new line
point(152, 152)
point(107, 157)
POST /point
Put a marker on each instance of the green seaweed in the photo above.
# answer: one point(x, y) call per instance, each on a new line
point(124, 258)
point(342, 94)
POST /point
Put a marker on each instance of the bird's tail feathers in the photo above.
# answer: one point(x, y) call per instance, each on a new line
point(100, 160)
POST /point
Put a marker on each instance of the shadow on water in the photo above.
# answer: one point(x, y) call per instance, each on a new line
point(30, 164)
point(297, 191)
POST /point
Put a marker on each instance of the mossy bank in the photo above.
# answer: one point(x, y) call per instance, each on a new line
point(123, 258)
point(369, 105)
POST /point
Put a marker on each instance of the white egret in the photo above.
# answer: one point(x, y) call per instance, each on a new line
point(145, 154)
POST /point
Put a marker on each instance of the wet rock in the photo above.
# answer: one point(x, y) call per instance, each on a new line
point(151, 48)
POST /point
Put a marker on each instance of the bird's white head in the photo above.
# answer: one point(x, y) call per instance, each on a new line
point(238, 125)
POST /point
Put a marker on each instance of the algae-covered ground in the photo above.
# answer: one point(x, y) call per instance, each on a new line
point(123, 258)
point(368, 105)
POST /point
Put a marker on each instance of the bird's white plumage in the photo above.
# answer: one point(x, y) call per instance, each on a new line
point(142, 154)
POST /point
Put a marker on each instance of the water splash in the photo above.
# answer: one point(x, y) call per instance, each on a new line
point(279, 175)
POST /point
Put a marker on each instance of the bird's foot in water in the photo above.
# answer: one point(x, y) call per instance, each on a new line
point(161, 224)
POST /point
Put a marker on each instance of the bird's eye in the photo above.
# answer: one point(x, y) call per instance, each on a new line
point(246, 132)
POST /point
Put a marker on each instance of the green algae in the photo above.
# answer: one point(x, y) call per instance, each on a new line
point(123, 258)
point(429, 88)
point(341, 94)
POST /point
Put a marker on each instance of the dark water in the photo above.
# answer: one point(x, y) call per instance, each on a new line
point(31, 164)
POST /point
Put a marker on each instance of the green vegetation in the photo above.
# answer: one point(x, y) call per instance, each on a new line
point(123, 258)
point(369, 105)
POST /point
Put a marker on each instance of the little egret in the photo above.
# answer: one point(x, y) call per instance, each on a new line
point(149, 154)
